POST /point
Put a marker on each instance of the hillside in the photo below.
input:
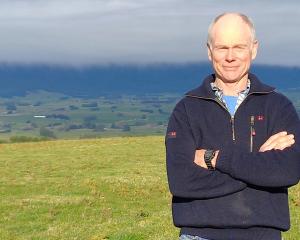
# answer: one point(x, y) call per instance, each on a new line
point(40, 101)
point(111, 80)
point(113, 188)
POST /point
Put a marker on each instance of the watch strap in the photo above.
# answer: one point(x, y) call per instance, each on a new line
point(208, 156)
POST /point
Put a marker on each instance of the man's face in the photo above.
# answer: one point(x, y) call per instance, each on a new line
point(232, 49)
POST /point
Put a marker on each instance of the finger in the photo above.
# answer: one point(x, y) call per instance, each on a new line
point(283, 147)
point(285, 139)
point(289, 136)
point(271, 139)
point(271, 143)
point(277, 141)
point(274, 137)
point(281, 142)
point(285, 144)
point(269, 147)
point(263, 148)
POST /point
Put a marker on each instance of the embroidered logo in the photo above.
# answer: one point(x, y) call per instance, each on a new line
point(260, 118)
point(171, 134)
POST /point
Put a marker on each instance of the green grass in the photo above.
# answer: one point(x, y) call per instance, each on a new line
point(110, 188)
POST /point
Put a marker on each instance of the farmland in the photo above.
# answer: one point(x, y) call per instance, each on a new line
point(45, 114)
point(42, 115)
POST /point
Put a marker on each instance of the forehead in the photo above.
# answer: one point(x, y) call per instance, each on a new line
point(231, 30)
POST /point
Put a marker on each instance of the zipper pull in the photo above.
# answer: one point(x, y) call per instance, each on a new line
point(232, 128)
point(252, 120)
point(253, 133)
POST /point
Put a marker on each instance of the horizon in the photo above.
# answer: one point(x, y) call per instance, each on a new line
point(130, 64)
point(99, 80)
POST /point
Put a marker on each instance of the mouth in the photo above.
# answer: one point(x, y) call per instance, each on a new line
point(230, 68)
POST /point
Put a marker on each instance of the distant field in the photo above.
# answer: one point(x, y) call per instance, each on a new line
point(67, 117)
point(53, 115)
point(111, 188)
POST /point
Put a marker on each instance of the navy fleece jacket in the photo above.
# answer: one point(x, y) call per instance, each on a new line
point(246, 196)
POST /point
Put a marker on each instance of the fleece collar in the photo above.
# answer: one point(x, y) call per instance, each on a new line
point(205, 91)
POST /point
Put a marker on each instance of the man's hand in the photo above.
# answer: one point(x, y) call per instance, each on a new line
point(278, 141)
point(199, 158)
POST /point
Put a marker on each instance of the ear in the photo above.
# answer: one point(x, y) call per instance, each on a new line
point(209, 53)
point(254, 49)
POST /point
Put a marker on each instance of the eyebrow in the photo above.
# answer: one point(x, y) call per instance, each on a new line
point(236, 45)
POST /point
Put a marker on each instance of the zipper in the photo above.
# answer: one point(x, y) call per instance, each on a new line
point(217, 100)
point(231, 118)
point(232, 128)
point(252, 132)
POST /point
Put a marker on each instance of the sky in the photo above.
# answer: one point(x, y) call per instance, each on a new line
point(93, 32)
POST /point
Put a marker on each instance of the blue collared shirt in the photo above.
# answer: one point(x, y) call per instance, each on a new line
point(241, 96)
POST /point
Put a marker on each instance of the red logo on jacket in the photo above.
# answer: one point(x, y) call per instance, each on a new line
point(171, 134)
point(260, 118)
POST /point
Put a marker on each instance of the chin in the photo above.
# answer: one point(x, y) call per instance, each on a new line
point(231, 78)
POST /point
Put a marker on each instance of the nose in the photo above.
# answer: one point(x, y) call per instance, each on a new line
point(229, 55)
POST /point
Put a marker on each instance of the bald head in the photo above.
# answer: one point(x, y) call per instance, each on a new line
point(231, 23)
point(232, 47)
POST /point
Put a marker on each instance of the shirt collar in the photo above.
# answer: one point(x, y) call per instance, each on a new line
point(219, 92)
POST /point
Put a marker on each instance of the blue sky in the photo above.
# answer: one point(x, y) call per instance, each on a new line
point(85, 32)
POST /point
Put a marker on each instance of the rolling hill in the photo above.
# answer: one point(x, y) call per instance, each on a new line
point(97, 81)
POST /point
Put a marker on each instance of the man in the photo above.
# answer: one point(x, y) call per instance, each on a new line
point(232, 146)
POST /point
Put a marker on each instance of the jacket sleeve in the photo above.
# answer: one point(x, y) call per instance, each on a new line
point(274, 168)
point(187, 179)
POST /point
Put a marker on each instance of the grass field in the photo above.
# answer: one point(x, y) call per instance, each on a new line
point(110, 188)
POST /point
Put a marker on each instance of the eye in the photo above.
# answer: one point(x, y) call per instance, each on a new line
point(240, 47)
point(221, 48)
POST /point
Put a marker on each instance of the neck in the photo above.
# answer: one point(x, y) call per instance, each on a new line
point(232, 88)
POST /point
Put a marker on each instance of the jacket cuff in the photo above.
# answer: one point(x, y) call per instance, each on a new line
point(223, 162)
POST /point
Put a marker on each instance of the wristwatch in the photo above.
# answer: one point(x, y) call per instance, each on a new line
point(208, 156)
